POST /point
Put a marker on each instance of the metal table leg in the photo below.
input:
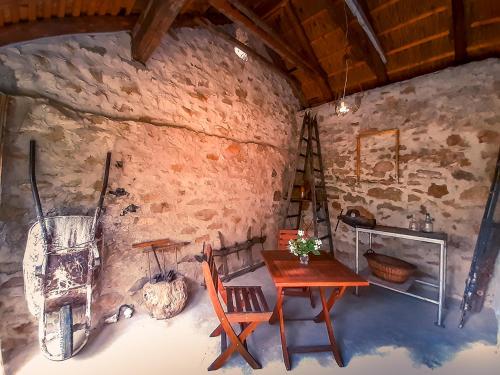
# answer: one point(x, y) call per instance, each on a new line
point(357, 259)
point(442, 284)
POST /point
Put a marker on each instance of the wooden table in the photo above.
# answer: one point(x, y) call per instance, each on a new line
point(323, 271)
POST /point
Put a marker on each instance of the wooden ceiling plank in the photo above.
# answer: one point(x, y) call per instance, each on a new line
point(411, 21)
point(261, 30)
point(14, 13)
point(423, 62)
point(47, 8)
point(274, 9)
point(61, 26)
point(485, 22)
point(459, 30)
point(61, 8)
point(129, 5)
point(383, 6)
point(152, 25)
point(2, 20)
point(91, 8)
point(103, 8)
point(301, 36)
point(31, 10)
point(115, 7)
point(360, 46)
point(77, 8)
point(394, 51)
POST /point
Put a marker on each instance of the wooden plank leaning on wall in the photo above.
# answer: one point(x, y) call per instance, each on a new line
point(4, 99)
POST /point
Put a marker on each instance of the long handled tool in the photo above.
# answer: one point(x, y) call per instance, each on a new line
point(485, 253)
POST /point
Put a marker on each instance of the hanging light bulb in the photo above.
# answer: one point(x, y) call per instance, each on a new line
point(341, 108)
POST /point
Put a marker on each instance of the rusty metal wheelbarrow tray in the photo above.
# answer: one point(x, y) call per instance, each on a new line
point(72, 259)
point(60, 262)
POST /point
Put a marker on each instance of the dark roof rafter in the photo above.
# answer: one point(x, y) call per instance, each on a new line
point(361, 47)
point(246, 18)
point(20, 32)
point(304, 42)
point(459, 30)
point(152, 25)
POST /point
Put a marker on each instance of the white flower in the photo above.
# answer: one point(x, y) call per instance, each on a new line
point(300, 233)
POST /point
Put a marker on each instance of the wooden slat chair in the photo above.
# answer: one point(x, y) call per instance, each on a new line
point(284, 236)
point(245, 305)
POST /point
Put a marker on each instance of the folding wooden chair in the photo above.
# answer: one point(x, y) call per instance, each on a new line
point(245, 305)
point(284, 236)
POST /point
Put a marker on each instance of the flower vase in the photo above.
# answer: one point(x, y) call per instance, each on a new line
point(304, 259)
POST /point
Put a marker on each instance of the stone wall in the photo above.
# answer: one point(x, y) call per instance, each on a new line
point(199, 141)
point(449, 124)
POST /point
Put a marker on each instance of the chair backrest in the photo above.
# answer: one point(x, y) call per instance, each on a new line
point(284, 236)
point(212, 279)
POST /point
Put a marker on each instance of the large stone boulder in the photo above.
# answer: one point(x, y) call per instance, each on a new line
point(165, 299)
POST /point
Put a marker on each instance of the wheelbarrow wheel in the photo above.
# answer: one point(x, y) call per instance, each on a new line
point(66, 331)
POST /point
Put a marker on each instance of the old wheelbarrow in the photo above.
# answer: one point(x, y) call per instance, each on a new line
point(60, 267)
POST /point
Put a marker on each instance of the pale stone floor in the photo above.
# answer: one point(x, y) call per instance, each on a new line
point(379, 333)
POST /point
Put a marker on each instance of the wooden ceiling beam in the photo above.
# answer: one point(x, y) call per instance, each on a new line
point(152, 25)
point(274, 9)
point(361, 47)
point(459, 30)
point(360, 11)
point(21, 32)
point(304, 42)
point(244, 17)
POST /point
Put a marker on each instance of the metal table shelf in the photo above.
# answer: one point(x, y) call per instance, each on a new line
point(434, 238)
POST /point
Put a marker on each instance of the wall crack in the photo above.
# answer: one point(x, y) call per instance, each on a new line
point(64, 107)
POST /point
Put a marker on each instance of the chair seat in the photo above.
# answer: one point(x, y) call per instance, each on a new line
point(246, 304)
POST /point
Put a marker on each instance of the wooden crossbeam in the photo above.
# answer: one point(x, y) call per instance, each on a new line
point(246, 18)
point(302, 38)
point(459, 30)
point(20, 32)
point(152, 25)
point(361, 47)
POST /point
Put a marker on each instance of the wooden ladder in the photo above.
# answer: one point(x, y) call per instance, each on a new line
point(307, 185)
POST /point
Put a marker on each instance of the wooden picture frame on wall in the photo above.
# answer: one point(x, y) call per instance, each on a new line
point(373, 135)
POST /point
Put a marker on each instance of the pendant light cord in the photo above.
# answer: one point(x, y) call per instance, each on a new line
point(347, 41)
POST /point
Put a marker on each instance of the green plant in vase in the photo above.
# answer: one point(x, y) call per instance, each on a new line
point(302, 246)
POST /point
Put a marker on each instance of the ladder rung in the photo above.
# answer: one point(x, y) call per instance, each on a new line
point(322, 238)
point(293, 216)
point(299, 200)
point(304, 155)
point(317, 170)
point(320, 220)
point(300, 170)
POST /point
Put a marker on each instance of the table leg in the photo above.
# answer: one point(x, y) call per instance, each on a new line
point(357, 259)
point(328, 323)
point(336, 295)
point(442, 284)
point(279, 312)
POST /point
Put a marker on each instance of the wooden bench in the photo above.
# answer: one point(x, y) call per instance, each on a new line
point(245, 305)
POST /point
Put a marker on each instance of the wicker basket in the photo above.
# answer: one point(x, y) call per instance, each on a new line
point(389, 268)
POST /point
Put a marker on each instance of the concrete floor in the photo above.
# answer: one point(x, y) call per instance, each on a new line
point(379, 333)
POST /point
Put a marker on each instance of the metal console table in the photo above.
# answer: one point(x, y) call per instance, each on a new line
point(435, 238)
